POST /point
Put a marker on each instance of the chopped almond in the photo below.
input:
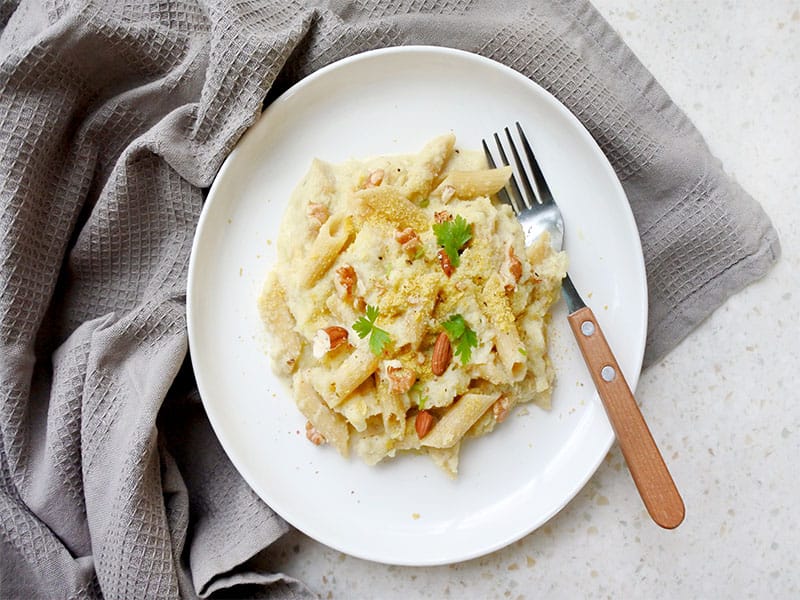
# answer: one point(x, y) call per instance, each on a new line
point(317, 214)
point(500, 409)
point(328, 339)
point(514, 265)
point(375, 178)
point(400, 379)
point(445, 263)
point(314, 436)
point(409, 240)
point(345, 282)
point(447, 193)
point(441, 216)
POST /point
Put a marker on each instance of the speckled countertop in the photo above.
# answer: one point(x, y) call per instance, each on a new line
point(724, 405)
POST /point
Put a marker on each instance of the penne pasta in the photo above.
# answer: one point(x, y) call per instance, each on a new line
point(405, 305)
point(329, 243)
point(458, 419)
point(331, 425)
point(276, 315)
point(388, 204)
point(374, 444)
point(446, 458)
point(355, 369)
point(360, 406)
point(512, 354)
point(393, 413)
point(475, 184)
point(427, 167)
point(510, 349)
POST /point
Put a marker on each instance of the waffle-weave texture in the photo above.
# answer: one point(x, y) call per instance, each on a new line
point(114, 117)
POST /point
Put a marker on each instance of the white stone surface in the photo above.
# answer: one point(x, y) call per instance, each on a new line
point(724, 406)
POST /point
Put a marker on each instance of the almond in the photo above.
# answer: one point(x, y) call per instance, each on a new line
point(445, 263)
point(400, 379)
point(447, 193)
point(442, 353)
point(500, 409)
point(318, 213)
point(405, 236)
point(314, 436)
point(375, 178)
point(328, 339)
point(346, 281)
point(424, 423)
point(440, 216)
point(514, 265)
point(409, 240)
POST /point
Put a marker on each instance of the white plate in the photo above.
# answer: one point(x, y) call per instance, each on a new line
point(406, 511)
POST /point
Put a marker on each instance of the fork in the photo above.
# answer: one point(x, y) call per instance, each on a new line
point(645, 463)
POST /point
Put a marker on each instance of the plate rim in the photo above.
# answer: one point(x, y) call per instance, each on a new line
point(287, 96)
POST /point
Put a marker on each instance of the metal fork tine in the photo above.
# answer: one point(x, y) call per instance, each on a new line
point(519, 204)
point(544, 190)
point(502, 194)
point(530, 197)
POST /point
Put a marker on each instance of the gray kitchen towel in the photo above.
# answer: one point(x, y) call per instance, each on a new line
point(114, 116)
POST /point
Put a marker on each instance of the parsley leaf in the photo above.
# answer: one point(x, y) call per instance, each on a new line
point(452, 235)
point(378, 340)
point(454, 326)
point(465, 344)
point(362, 327)
point(462, 336)
point(372, 313)
point(365, 326)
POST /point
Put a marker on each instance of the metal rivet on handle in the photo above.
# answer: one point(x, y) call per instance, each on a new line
point(587, 328)
point(608, 373)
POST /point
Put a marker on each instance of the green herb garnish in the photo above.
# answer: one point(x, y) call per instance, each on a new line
point(365, 326)
point(462, 336)
point(452, 236)
point(416, 390)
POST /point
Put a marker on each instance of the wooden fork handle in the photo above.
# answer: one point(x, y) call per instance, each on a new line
point(647, 467)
